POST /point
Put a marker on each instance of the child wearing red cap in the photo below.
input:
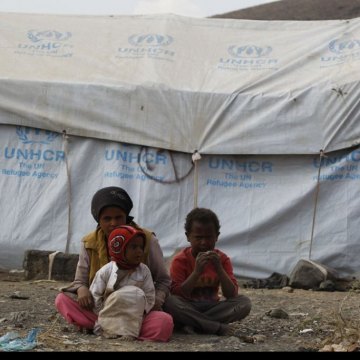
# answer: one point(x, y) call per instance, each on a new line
point(123, 289)
point(111, 207)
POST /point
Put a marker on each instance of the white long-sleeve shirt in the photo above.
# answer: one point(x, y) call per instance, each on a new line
point(155, 262)
point(110, 278)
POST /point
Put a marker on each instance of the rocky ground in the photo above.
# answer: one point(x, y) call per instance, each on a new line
point(306, 321)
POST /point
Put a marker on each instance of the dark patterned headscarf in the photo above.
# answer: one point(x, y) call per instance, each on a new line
point(111, 196)
point(117, 243)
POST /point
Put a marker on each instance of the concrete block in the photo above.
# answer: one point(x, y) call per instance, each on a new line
point(36, 265)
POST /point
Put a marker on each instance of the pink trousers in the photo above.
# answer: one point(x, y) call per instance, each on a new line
point(156, 326)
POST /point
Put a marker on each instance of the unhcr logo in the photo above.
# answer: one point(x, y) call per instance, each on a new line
point(342, 46)
point(248, 57)
point(249, 51)
point(150, 40)
point(35, 136)
point(344, 49)
point(50, 43)
point(48, 35)
point(151, 46)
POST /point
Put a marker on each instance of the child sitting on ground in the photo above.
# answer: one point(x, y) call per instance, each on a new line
point(123, 289)
point(197, 273)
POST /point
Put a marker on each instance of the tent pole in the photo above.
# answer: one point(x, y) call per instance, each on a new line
point(195, 158)
point(65, 138)
point(315, 202)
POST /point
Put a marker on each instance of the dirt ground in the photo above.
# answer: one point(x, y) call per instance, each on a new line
point(315, 319)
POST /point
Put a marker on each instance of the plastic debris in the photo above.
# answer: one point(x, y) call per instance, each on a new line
point(8, 336)
point(11, 341)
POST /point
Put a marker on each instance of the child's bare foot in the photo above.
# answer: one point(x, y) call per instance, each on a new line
point(109, 336)
point(83, 330)
point(127, 338)
point(227, 329)
point(187, 329)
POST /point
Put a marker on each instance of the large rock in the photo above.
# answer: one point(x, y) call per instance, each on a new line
point(36, 265)
point(308, 274)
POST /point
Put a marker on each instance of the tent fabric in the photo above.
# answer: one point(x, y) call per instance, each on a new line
point(265, 203)
point(94, 101)
point(218, 86)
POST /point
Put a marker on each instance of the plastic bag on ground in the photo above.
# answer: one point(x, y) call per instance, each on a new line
point(11, 341)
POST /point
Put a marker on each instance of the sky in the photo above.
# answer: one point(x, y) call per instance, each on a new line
point(193, 8)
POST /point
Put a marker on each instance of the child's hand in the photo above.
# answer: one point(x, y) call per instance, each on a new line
point(214, 257)
point(85, 298)
point(159, 300)
point(200, 262)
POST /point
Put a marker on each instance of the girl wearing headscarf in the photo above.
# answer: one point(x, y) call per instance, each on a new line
point(110, 208)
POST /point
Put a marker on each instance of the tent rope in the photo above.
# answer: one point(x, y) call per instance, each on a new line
point(195, 158)
point(66, 143)
point(322, 155)
point(51, 262)
point(177, 178)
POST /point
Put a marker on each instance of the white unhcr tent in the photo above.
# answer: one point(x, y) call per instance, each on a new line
point(272, 107)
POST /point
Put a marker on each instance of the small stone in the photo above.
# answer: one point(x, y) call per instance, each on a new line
point(277, 313)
